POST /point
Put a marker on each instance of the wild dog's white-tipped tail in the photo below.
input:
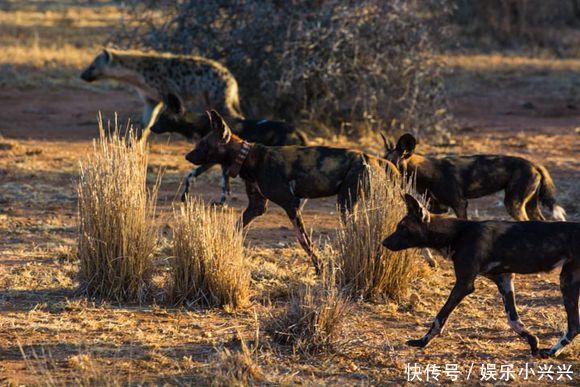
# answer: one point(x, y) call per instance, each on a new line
point(558, 213)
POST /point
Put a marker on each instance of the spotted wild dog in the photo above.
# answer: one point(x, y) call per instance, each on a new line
point(287, 174)
point(202, 83)
point(496, 250)
point(449, 181)
point(174, 118)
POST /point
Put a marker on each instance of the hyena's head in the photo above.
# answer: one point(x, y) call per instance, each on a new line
point(174, 118)
point(399, 154)
point(213, 147)
point(98, 69)
point(412, 230)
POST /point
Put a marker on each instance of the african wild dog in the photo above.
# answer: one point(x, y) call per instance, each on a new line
point(174, 118)
point(287, 174)
point(451, 180)
point(200, 82)
point(496, 250)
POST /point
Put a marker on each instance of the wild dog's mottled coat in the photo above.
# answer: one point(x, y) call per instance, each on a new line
point(451, 180)
point(496, 250)
point(287, 174)
point(202, 83)
point(174, 118)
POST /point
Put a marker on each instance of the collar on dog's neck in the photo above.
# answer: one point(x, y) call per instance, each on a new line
point(234, 169)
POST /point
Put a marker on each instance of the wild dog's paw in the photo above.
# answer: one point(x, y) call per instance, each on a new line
point(218, 203)
point(421, 343)
point(545, 353)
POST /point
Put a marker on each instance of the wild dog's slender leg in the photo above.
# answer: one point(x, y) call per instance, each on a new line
point(281, 192)
point(460, 208)
point(303, 238)
point(356, 179)
point(225, 185)
point(533, 208)
point(518, 192)
point(570, 286)
point(505, 286)
point(257, 204)
point(192, 175)
point(463, 287)
point(429, 257)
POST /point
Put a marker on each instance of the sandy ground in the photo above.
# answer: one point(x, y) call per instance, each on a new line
point(46, 133)
point(51, 335)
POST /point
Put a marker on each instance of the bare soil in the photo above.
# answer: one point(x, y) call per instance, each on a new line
point(47, 131)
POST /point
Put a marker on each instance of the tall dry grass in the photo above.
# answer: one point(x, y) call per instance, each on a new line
point(315, 314)
point(117, 234)
point(369, 270)
point(209, 266)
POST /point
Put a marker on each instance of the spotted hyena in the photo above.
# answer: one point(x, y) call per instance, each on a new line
point(200, 82)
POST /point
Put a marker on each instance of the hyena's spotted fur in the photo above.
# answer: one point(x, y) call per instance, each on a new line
point(200, 82)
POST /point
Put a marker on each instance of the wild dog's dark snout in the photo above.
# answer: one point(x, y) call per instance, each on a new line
point(191, 157)
point(87, 76)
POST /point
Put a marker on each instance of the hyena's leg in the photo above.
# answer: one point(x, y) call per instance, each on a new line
point(570, 286)
point(505, 286)
point(533, 208)
point(257, 204)
point(519, 191)
point(192, 175)
point(148, 109)
point(463, 287)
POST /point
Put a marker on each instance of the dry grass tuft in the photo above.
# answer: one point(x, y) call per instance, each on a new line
point(85, 370)
point(209, 266)
point(117, 235)
point(239, 367)
point(313, 321)
point(369, 270)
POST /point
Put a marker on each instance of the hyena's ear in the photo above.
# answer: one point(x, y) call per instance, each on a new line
point(406, 145)
point(174, 104)
point(417, 209)
point(219, 126)
point(388, 143)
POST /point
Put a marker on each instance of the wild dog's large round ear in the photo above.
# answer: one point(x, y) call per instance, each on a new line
point(107, 56)
point(219, 126)
point(406, 145)
point(415, 208)
point(174, 103)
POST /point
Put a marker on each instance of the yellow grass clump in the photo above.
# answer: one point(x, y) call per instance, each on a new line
point(117, 234)
point(369, 270)
point(209, 266)
point(315, 314)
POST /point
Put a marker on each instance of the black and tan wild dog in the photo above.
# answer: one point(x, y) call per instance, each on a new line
point(496, 250)
point(449, 181)
point(287, 174)
point(174, 118)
